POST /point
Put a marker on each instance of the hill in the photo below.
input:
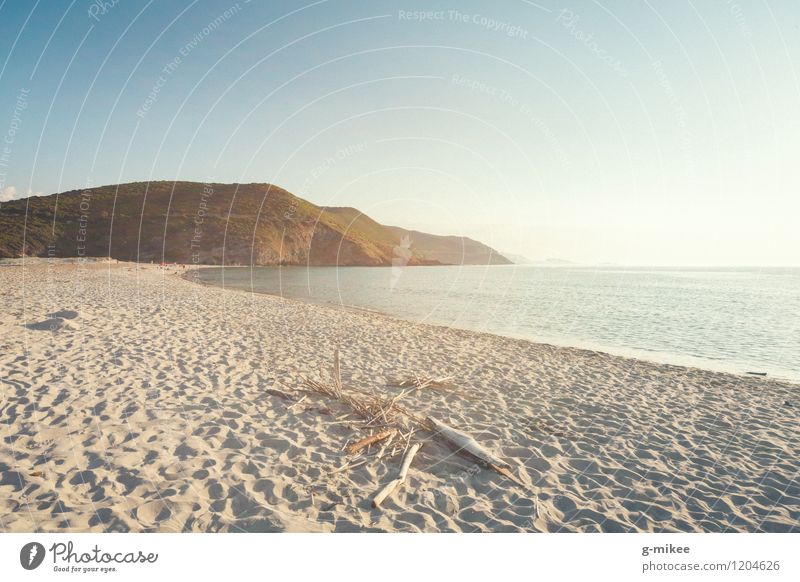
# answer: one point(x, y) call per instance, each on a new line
point(234, 224)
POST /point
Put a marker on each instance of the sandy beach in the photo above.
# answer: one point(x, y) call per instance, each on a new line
point(135, 400)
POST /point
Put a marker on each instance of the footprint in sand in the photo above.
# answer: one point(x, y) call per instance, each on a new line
point(56, 321)
point(63, 314)
point(163, 514)
point(153, 513)
point(53, 324)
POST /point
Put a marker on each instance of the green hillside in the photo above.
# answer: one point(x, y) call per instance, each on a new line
point(234, 224)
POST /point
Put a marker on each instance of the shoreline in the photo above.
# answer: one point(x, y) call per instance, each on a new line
point(159, 405)
point(636, 354)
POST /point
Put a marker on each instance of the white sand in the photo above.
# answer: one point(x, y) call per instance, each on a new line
point(148, 409)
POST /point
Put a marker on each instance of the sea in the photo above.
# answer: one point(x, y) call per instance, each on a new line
point(740, 320)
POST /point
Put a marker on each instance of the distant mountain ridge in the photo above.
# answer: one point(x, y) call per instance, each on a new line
point(232, 224)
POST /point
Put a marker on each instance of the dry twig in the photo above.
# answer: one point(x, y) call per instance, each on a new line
point(401, 476)
point(375, 410)
point(353, 448)
point(346, 466)
point(418, 382)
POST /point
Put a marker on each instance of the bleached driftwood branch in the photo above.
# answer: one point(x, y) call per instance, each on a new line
point(465, 443)
point(395, 483)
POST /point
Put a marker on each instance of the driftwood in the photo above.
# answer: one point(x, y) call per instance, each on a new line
point(422, 382)
point(337, 373)
point(464, 443)
point(401, 476)
point(353, 448)
point(377, 411)
point(395, 420)
point(291, 406)
point(419, 382)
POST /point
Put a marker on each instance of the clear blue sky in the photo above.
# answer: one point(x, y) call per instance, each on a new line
point(647, 132)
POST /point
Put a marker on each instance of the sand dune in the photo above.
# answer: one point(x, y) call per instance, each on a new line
point(134, 400)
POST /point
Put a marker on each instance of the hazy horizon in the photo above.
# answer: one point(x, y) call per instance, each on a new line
point(636, 135)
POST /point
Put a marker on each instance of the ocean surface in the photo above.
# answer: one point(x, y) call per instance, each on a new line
point(729, 319)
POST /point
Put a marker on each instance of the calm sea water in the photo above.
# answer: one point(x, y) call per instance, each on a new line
point(731, 319)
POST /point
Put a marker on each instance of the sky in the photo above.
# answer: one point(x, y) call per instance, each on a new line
point(634, 133)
